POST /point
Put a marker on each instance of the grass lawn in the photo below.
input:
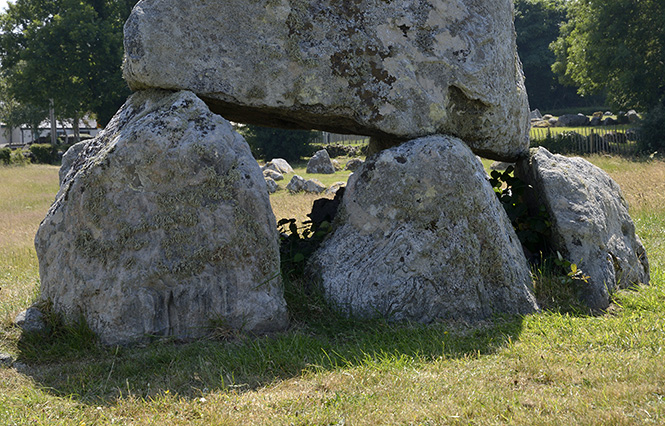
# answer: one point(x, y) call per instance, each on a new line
point(544, 369)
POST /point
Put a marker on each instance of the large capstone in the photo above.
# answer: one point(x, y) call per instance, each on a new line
point(421, 236)
point(591, 226)
point(394, 70)
point(163, 227)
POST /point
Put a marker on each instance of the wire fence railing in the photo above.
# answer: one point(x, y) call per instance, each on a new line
point(326, 138)
point(588, 140)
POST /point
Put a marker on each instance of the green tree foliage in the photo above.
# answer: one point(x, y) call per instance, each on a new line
point(15, 114)
point(537, 23)
point(615, 47)
point(653, 130)
point(66, 50)
point(268, 143)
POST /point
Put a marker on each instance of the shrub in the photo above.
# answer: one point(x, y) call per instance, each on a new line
point(18, 158)
point(338, 150)
point(268, 143)
point(5, 156)
point(44, 153)
point(652, 131)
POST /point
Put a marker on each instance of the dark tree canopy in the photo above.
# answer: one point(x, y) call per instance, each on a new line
point(268, 143)
point(66, 50)
point(616, 47)
point(537, 23)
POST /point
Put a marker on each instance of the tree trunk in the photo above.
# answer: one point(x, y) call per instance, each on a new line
point(54, 129)
point(77, 131)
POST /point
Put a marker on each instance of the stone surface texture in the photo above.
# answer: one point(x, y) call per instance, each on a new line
point(353, 164)
point(163, 226)
point(31, 320)
point(421, 236)
point(271, 185)
point(591, 226)
point(320, 163)
point(296, 184)
point(394, 70)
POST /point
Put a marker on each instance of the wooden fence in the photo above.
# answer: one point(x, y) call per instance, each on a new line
point(588, 140)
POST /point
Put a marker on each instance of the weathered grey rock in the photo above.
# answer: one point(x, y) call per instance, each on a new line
point(353, 164)
point(572, 120)
point(541, 124)
point(271, 185)
point(500, 166)
point(296, 184)
point(596, 121)
point(31, 320)
point(320, 163)
point(335, 187)
point(270, 173)
point(314, 186)
point(70, 155)
point(163, 226)
point(392, 70)
point(633, 116)
point(336, 165)
point(279, 165)
point(591, 226)
point(6, 360)
point(536, 115)
point(422, 236)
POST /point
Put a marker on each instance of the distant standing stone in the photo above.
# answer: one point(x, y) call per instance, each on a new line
point(320, 163)
point(353, 164)
point(271, 185)
point(296, 184)
point(270, 173)
point(279, 165)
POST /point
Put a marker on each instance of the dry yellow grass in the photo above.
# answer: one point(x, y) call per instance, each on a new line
point(25, 195)
point(642, 184)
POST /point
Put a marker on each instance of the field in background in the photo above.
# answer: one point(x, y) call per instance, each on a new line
point(548, 368)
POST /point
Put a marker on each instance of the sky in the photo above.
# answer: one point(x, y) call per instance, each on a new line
point(3, 5)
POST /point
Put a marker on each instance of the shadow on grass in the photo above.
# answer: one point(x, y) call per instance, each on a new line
point(71, 363)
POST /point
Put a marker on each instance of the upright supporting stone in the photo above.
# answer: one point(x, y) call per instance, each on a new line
point(421, 236)
point(162, 226)
point(591, 226)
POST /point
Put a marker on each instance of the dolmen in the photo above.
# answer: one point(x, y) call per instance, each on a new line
point(163, 228)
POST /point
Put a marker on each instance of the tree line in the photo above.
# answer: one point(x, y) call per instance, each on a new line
point(574, 53)
point(65, 52)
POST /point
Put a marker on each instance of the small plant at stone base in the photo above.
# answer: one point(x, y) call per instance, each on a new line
point(305, 301)
point(559, 285)
point(297, 244)
point(59, 340)
point(533, 230)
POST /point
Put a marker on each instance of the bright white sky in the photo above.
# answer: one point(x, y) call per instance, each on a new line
point(3, 5)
